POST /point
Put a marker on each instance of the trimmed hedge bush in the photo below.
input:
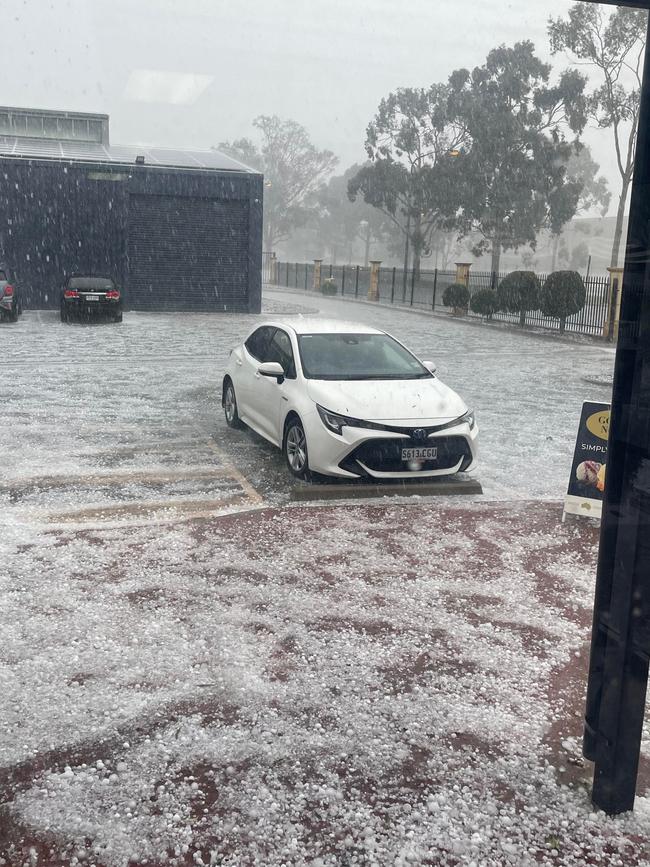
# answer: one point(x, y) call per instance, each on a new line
point(519, 292)
point(329, 287)
point(484, 302)
point(563, 294)
point(456, 296)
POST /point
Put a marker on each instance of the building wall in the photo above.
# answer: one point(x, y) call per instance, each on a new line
point(188, 240)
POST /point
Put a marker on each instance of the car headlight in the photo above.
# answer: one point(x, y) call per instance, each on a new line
point(469, 417)
point(332, 420)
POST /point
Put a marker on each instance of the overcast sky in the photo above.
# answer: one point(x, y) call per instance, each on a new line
point(192, 73)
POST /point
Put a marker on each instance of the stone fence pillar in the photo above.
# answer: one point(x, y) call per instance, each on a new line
point(373, 288)
point(462, 272)
point(317, 273)
point(610, 329)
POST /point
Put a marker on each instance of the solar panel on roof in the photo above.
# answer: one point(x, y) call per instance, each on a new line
point(17, 146)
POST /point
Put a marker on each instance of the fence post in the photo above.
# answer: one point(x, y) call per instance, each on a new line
point(317, 267)
point(435, 286)
point(412, 284)
point(610, 330)
point(296, 276)
point(342, 279)
point(274, 269)
point(356, 284)
point(287, 275)
point(306, 275)
point(330, 270)
point(392, 287)
point(373, 288)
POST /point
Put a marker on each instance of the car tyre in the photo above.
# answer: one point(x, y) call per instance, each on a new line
point(117, 317)
point(64, 314)
point(13, 313)
point(295, 449)
point(230, 406)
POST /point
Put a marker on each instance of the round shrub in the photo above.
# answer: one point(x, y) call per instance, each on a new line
point(518, 292)
point(329, 287)
point(456, 296)
point(563, 294)
point(484, 302)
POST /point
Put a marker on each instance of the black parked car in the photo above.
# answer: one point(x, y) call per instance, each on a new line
point(86, 296)
point(10, 301)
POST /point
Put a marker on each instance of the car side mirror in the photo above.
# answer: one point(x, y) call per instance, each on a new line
point(273, 369)
point(430, 366)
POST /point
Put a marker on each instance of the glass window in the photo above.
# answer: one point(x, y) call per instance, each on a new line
point(357, 356)
point(280, 350)
point(257, 343)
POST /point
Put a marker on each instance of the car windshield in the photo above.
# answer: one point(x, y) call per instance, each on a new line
point(357, 356)
point(98, 283)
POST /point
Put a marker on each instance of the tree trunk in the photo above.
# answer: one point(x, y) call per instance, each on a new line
point(522, 318)
point(406, 255)
point(496, 258)
point(417, 248)
point(556, 247)
point(620, 216)
point(562, 324)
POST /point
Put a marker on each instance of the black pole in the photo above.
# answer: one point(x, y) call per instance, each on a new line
point(620, 643)
point(356, 284)
point(343, 280)
point(412, 285)
point(306, 275)
point(435, 286)
point(392, 287)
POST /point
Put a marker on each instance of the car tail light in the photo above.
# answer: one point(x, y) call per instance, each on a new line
point(70, 293)
point(9, 291)
point(113, 294)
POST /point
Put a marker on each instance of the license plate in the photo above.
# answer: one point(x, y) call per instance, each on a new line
point(92, 297)
point(423, 453)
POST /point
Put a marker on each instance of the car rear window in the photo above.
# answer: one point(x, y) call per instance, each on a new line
point(3, 275)
point(97, 283)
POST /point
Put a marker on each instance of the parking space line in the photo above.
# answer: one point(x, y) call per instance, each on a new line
point(188, 509)
point(254, 495)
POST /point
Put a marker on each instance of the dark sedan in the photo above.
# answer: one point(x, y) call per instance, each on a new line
point(85, 297)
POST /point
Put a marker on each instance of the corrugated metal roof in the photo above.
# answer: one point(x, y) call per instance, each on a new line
point(26, 148)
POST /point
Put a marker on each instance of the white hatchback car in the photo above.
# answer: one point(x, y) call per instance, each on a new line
point(345, 400)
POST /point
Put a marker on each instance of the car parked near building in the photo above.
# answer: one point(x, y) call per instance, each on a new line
point(85, 296)
point(345, 400)
point(11, 305)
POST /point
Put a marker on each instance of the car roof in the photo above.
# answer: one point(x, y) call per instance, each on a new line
point(319, 325)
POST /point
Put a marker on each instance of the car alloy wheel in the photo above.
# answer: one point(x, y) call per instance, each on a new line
point(295, 448)
point(230, 407)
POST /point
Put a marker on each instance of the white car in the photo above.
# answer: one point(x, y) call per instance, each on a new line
point(342, 399)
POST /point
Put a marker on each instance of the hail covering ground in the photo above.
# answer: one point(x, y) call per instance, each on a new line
point(194, 670)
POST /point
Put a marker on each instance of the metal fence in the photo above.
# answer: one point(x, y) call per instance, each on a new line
point(426, 290)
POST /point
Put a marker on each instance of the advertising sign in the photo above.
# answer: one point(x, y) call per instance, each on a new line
point(587, 481)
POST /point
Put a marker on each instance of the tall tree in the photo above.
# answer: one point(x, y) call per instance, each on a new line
point(341, 223)
point(612, 43)
point(581, 170)
point(412, 177)
point(514, 165)
point(293, 170)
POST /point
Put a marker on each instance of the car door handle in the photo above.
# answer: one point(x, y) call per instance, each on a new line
point(238, 362)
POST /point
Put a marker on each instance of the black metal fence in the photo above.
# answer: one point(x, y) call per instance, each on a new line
point(426, 290)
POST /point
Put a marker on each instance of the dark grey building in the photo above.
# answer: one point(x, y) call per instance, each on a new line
point(178, 230)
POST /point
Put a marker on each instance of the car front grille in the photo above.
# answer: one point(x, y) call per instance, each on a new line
point(385, 455)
